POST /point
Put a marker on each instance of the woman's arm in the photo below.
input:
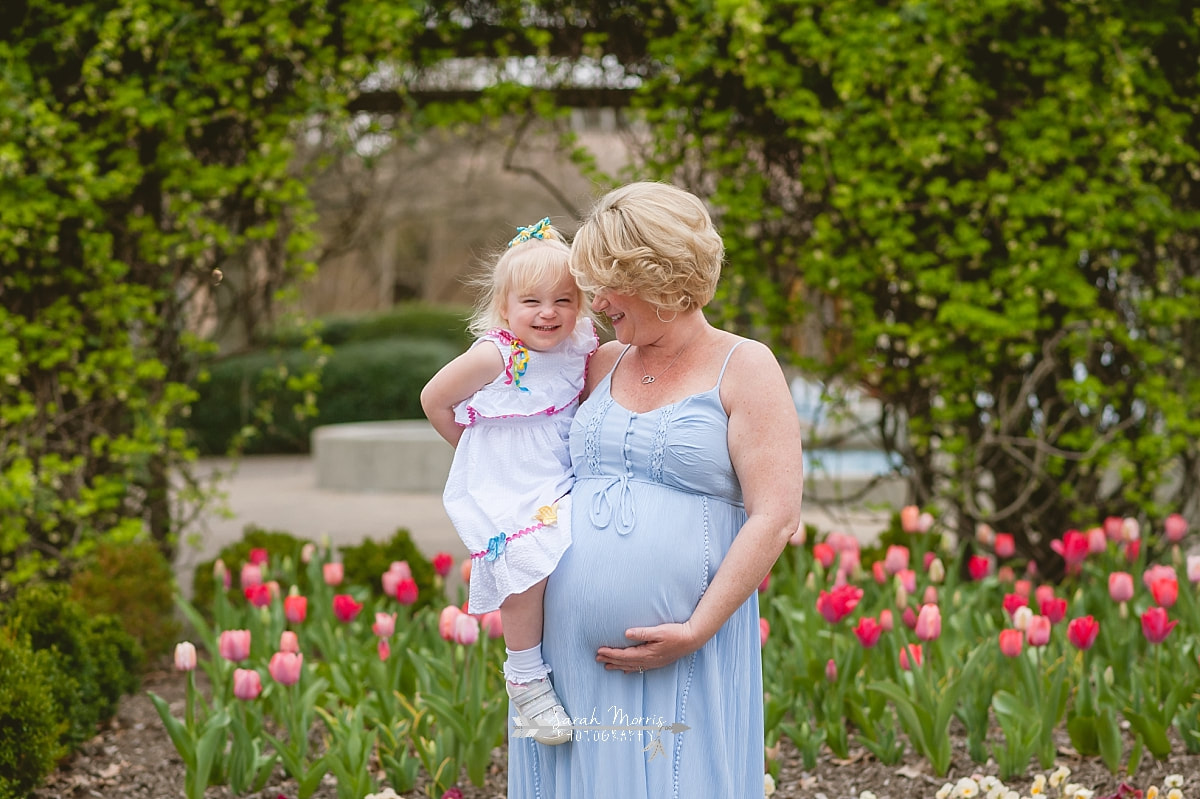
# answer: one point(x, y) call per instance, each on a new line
point(456, 381)
point(764, 446)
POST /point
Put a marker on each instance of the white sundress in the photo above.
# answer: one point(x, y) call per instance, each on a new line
point(507, 490)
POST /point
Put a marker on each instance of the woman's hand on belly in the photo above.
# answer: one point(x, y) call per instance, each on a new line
point(661, 646)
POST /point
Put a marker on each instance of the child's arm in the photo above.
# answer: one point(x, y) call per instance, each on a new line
point(456, 381)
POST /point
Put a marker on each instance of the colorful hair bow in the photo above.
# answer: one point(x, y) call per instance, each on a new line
point(537, 231)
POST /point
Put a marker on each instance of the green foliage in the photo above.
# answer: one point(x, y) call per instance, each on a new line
point(30, 726)
point(361, 381)
point(91, 656)
point(133, 582)
point(411, 320)
point(365, 563)
point(278, 544)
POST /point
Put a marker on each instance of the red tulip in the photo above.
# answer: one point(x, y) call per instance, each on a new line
point(385, 625)
point(295, 608)
point(915, 650)
point(258, 556)
point(1176, 527)
point(1156, 626)
point(446, 622)
point(289, 642)
point(929, 623)
point(1037, 633)
point(258, 595)
point(1165, 591)
point(333, 573)
point(1010, 642)
point(384, 649)
point(764, 631)
point(1073, 548)
point(1082, 632)
point(443, 562)
point(247, 684)
point(1054, 609)
point(927, 562)
point(868, 631)
point(492, 624)
point(1132, 550)
point(185, 656)
point(406, 591)
point(285, 667)
point(839, 603)
point(1014, 601)
point(1120, 586)
point(878, 572)
point(1006, 545)
point(978, 567)
point(234, 645)
point(345, 608)
point(824, 554)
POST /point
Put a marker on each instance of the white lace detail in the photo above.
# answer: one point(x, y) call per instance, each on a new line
point(591, 437)
point(659, 446)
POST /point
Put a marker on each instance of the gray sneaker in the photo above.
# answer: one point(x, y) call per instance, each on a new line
point(538, 706)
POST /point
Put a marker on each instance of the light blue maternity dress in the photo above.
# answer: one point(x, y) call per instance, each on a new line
point(656, 505)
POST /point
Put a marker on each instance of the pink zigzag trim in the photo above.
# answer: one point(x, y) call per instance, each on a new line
point(509, 538)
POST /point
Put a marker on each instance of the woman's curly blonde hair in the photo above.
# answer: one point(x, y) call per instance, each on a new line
point(653, 241)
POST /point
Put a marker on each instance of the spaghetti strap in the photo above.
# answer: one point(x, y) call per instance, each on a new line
point(725, 365)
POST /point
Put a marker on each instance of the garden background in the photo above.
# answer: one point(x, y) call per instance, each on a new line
point(982, 216)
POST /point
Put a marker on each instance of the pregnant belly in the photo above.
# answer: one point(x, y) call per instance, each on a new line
point(608, 582)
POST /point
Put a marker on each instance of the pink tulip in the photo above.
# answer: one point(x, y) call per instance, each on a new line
point(916, 657)
point(930, 597)
point(908, 579)
point(334, 573)
point(289, 642)
point(385, 625)
point(978, 567)
point(1010, 643)
point(1156, 625)
point(877, 572)
point(1005, 574)
point(247, 684)
point(251, 575)
point(221, 573)
point(492, 623)
point(406, 591)
point(1023, 588)
point(1037, 633)
point(306, 553)
point(764, 631)
point(1042, 593)
point(234, 645)
point(1097, 542)
point(390, 580)
point(1165, 591)
point(868, 631)
point(1193, 568)
point(258, 556)
point(1112, 528)
point(295, 608)
point(1054, 609)
point(929, 623)
point(927, 561)
point(384, 649)
point(831, 670)
point(466, 629)
point(1120, 586)
point(925, 522)
point(185, 656)
point(446, 622)
point(443, 562)
point(1006, 545)
point(909, 617)
point(896, 559)
point(285, 667)
point(849, 561)
point(1132, 550)
point(886, 620)
point(345, 607)
point(824, 554)
point(258, 595)
point(1176, 527)
point(401, 569)
point(1082, 632)
point(910, 519)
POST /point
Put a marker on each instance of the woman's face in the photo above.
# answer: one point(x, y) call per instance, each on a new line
point(626, 313)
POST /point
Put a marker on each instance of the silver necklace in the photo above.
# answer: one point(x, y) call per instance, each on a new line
point(648, 378)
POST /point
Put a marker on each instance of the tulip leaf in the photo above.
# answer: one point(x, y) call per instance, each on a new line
point(180, 736)
point(1109, 739)
point(1083, 733)
point(1152, 734)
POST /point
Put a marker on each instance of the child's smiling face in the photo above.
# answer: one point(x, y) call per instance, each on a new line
point(543, 316)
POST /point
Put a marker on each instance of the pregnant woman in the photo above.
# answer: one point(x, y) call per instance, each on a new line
point(688, 471)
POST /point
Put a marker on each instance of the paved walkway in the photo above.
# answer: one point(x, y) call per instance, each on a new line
point(279, 492)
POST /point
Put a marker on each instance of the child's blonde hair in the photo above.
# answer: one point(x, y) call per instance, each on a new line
point(526, 263)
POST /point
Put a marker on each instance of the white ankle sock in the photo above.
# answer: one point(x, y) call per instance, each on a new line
point(525, 665)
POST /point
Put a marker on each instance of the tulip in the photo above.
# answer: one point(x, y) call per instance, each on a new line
point(258, 595)
point(839, 603)
point(295, 608)
point(1006, 545)
point(824, 554)
point(1112, 528)
point(464, 571)
point(1097, 541)
point(247, 684)
point(930, 597)
point(289, 642)
point(831, 670)
point(333, 573)
point(1176, 527)
point(492, 623)
point(384, 649)
point(1023, 588)
point(1037, 632)
point(896, 559)
point(1130, 529)
point(443, 562)
point(1010, 642)
point(221, 573)
point(1073, 548)
point(1132, 549)
point(385, 625)
point(915, 650)
point(452, 793)
point(885, 620)
point(185, 656)
point(1156, 626)
point(446, 622)
point(466, 629)
point(849, 561)
point(1043, 592)
point(868, 631)
point(978, 567)
point(1156, 572)
point(936, 569)
point(765, 584)
point(401, 568)
point(1021, 617)
point(925, 522)
point(764, 630)
point(258, 556)
point(1054, 609)
point(908, 579)
point(1014, 601)
point(285, 667)
point(306, 553)
point(1005, 574)
point(234, 645)
point(345, 608)
point(1082, 632)
point(1193, 568)
point(406, 591)
point(1165, 591)
point(910, 519)
point(1120, 586)
point(251, 575)
point(929, 623)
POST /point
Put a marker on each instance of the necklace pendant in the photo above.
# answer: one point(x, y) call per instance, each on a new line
point(647, 380)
